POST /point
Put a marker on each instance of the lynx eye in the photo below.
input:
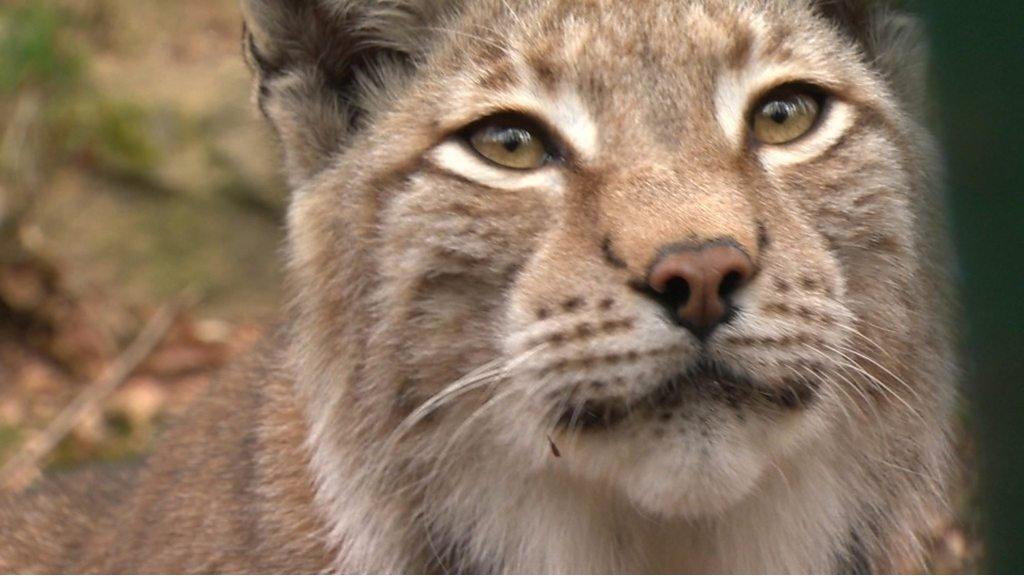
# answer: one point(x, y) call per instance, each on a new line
point(511, 142)
point(785, 115)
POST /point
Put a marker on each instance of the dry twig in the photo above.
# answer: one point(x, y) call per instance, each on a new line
point(21, 467)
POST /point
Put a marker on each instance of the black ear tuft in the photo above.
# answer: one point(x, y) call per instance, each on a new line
point(316, 64)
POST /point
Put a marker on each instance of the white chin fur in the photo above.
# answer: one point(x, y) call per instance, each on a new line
point(692, 481)
point(684, 476)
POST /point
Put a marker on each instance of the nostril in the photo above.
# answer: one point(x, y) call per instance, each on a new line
point(677, 291)
point(696, 285)
point(732, 282)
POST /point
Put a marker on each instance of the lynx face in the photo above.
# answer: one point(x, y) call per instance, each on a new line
point(656, 249)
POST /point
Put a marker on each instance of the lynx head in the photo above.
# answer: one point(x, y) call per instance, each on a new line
point(656, 249)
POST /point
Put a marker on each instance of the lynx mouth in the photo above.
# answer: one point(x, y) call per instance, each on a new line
point(705, 381)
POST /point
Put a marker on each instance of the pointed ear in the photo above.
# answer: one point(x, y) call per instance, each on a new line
point(322, 66)
point(893, 41)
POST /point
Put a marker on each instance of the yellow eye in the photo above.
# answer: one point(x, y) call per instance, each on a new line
point(510, 143)
point(783, 117)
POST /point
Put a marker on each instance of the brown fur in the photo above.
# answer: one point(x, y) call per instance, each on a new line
point(244, 507)
point(449, 317)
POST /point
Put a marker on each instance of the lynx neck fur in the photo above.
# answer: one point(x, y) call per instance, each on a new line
point(577, 286)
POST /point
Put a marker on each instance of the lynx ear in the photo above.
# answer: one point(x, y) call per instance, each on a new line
point(321, 66)
point(893, 40)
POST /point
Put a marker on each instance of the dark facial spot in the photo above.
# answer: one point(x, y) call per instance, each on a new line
point(613, 259)
point(777, 308)
point(763, 239)
point(572, 304)
point(740, 51)
point(788, 398)
point(795, 393)
point(512, 270)
point(544, 69)
point(543, 314)
point(606, 304)
point(593, 415)
point(883, 243)
point(405, 398)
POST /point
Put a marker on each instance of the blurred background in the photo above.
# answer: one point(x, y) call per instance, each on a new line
point(978, 76)
point(134, 175)
point(139, 194)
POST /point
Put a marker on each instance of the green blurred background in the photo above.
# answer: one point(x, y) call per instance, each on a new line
point(133, 167)
point(977, 68)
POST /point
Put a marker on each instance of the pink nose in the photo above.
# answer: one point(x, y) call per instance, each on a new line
point(696, 284)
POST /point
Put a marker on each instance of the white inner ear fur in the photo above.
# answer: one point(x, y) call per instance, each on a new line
point(736, 93)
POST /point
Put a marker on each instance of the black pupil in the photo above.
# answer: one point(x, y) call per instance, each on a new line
point(512, 138)
point(779, 111)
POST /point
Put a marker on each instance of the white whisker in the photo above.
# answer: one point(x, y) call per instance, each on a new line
point(877, 381)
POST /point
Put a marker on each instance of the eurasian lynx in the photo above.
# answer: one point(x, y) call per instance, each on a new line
point(578, 286)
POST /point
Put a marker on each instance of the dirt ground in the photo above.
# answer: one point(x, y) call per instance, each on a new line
point(135, 174)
